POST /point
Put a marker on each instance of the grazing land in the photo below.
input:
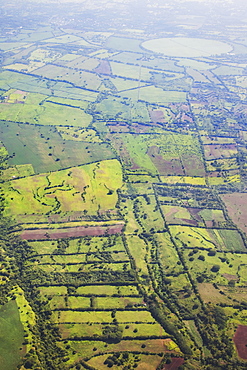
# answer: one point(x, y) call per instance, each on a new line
point(123, 160)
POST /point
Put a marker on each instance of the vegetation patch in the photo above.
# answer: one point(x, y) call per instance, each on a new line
point(12, 334)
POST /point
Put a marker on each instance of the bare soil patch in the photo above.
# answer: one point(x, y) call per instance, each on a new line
point(240, 340)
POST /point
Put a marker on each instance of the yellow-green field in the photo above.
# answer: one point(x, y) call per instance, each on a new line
point(91, 188)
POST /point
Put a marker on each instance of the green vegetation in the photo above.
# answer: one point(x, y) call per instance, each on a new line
point(49, 151)
point(123, 184)
point(12, 336)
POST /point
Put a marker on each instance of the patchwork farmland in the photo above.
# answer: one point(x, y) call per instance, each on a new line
point(123, 189)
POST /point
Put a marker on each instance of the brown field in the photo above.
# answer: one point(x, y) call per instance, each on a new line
point(176, 362)
point(178, 215)
point(104, 68)
point(172, 167)
point(240, 340)
point(236, 205)
point(238, 293)
point(157, 115)
point(73, 232)
point(220, 151)
point(118, 127)
point(210, 294)
point(122, 127)
point(193, 165)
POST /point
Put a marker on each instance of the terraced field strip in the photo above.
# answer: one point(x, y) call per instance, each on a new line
point(74, 232)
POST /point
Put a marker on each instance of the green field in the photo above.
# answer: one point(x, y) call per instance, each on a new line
point(12, 336)
point(208, 238)
point(89, 188)
point(49, 152)
point(123, 150)
point(35, 110)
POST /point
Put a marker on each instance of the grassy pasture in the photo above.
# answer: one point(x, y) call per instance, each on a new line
point(137, 249)
point(86, 347)
point(134, 316)
point(132, 149)
point(115, 108)
point(143, 362)
point(90, 187)
point(12, 46)
point(103, 54)
point(148, 214)
point(99, 265)
point(82, 104)
point(20, 67)
point(27, 315)
point(228, 71)
point(64, 39)
point(156, 95)
point(195, 217)
point(12, 336)
point(115, 302)
point(78, 134)
point(78, 78)
point(126, 57)
point(130, 71)
point(21, 170)
point(222, 178)
point(111, 243)
point(69, 302)
point(108, 290)
point(98, 302)
point(44, 55)
point(61, 259)
point(143, 330)
point(210, 294)
point(195, 64)
point(128, 213)
point(48, 150)
point(46, 87)
point(167, 254)
point(123, 44)
point(238, 293)
point(218, 151)
point(208, 238)
point(31, 35)
point(83, 62)
point(164, 64)
point(178, 284)
point(236, 316)
point(80, 330)
point(139, 187)
point(208, 140)
point(183, 180)
point(82, 317)
point(192, 327)
point(231, 266)
point(66, 58)
point(169, 153)
point(53, 290)
point(36, 111)
point(222, 164)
